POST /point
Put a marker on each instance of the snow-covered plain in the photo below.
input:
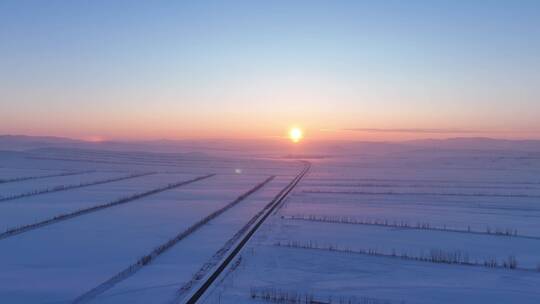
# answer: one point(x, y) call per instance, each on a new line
point(387, 225)
point(61, 261)
point(387, 229)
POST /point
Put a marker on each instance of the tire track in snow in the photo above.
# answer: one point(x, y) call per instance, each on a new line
point(145, 260)
point(66, 216)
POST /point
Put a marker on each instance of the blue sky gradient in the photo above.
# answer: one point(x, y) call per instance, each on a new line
point(184, 69)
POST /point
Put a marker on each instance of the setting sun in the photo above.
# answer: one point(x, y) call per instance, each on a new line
point(295, 134)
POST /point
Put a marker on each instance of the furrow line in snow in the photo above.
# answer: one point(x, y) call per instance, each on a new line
point(423, 194)
point(418, 186)
point(178, 164)
point(509, 233)
point(25, 178)
point(145, 260)
point(75, 186)
point(62, 217)
point(436, 256)
point(426, 181)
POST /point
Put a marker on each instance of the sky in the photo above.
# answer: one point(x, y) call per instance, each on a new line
point(358, 70)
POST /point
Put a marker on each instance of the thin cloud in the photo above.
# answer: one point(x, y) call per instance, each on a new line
point(413, 130)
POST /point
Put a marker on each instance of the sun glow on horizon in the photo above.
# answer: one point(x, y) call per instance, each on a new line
point(296, 134)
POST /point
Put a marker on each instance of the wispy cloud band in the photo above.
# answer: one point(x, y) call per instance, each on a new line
point(412, 130)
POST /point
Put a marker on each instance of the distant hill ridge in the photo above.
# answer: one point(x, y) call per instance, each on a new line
point(262, 147)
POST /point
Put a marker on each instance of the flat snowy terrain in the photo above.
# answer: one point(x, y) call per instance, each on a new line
point(403, 226)
point(71, 220)
point(411, 227)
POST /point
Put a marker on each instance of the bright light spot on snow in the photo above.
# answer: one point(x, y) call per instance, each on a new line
point(238, 171)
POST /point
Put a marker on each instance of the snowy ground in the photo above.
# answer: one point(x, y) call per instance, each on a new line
point(369, 230)
point(63, 260)
point(400, 227)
